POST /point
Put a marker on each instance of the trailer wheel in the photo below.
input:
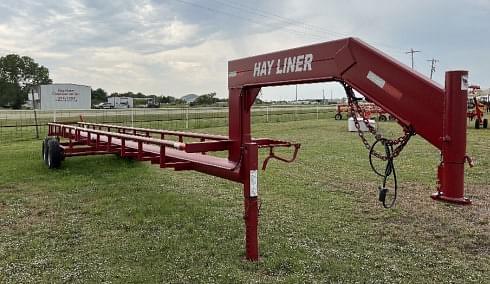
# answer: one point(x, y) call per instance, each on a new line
point(55, 154)
point(477, 123)
point(485, 123)
point(382, 118)
point(338, 116)
point(45, 149)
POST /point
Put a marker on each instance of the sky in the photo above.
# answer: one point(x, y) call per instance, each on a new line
point(177, 47)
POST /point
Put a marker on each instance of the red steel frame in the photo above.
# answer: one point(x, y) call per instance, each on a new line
point(437, 114)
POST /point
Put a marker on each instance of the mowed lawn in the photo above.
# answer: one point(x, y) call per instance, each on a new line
point(107, 219)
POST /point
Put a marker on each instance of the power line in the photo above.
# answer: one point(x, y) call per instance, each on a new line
point(412, 52)
point(253, 10)
point(278, 27)
point(433, 62)
point(307, 27)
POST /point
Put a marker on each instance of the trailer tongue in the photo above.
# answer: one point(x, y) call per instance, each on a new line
point(420, 106)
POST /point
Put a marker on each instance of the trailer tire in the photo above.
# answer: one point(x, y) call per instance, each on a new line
point(338, 116)
point(55, 154)
point(477, 123)
point(485, 123)
point(45, 147)
point(382, 118)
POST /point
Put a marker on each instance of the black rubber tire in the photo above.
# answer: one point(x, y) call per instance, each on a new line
point(382, 118)
point(477, 123)
point(55, 154)
point(338, 116)
point(485, 123)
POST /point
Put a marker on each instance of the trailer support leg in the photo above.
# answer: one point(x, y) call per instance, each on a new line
point(451, 170)
point(250, 192)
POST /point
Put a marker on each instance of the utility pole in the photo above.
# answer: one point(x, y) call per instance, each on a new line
point(433, 62)
point(296, 92)
point(411, 52)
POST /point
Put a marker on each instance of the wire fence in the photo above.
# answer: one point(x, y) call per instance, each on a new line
point(26, 124)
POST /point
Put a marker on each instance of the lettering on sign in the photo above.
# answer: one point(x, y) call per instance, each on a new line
point(66, 95)
point(300, 63)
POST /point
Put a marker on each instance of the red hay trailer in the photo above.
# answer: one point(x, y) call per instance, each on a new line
point(368, 109)
point(418, 104)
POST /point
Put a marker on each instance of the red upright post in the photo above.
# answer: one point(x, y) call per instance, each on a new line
point(451, 169)
point(250, 194)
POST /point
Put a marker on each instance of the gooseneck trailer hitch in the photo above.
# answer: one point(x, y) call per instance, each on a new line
point(436, 113)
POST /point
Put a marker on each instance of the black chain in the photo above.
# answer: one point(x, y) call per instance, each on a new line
point(393, 147)
point(398, 143)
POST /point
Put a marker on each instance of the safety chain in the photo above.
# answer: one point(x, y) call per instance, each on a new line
point(399, 143)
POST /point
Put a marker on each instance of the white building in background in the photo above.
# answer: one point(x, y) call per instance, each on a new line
point(63, 96)
point(121, 102)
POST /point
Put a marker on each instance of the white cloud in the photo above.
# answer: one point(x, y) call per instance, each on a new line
point(175, 48)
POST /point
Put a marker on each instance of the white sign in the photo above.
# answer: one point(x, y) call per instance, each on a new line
point(65, 96)
point(254, 185)
point(378, 81)
point(464, 83)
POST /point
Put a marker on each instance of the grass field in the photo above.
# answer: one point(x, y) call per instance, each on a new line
point(106, 219)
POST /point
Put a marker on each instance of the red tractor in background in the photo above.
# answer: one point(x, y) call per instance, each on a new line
point(368, 109)
point(476, 109)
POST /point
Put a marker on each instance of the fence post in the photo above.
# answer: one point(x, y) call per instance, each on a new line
point(132, 117)
point(317, 111)
point(54, 115)
point(35, 114)
point(267, 114)
point(187, 117)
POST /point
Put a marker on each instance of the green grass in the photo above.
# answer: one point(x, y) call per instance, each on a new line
point(106, 219)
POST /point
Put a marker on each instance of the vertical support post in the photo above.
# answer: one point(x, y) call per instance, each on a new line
point(451, 170)
point(162, 156)
point(109, 142)
point(187, 117)
point(267, 114)
point(123, 147)
point(140, 150)
point(132, 117)
point(35, 114)
point(250, 194)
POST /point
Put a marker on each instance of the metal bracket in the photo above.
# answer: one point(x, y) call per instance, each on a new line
point(272, 155)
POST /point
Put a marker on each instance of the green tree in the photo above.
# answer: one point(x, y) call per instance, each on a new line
point(207, 99)
point(99, 96)
point(17, 76)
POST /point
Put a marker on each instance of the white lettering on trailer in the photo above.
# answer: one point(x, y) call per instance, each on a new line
point(257, 69)
point(232, 74)
point(308, 60)
point(269, 66)
point(254, 187)
point(299, 63)
point(291, 64)
point(263, 70)
point(378, 81)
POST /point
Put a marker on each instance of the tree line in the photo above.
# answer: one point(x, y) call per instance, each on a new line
point(18, 74)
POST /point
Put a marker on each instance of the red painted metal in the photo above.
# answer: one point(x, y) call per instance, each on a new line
point(451, 169)
point(409, 97)
point(436, 114)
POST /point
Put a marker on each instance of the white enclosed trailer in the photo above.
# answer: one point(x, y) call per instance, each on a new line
point(120, 102)
point(65, 96)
